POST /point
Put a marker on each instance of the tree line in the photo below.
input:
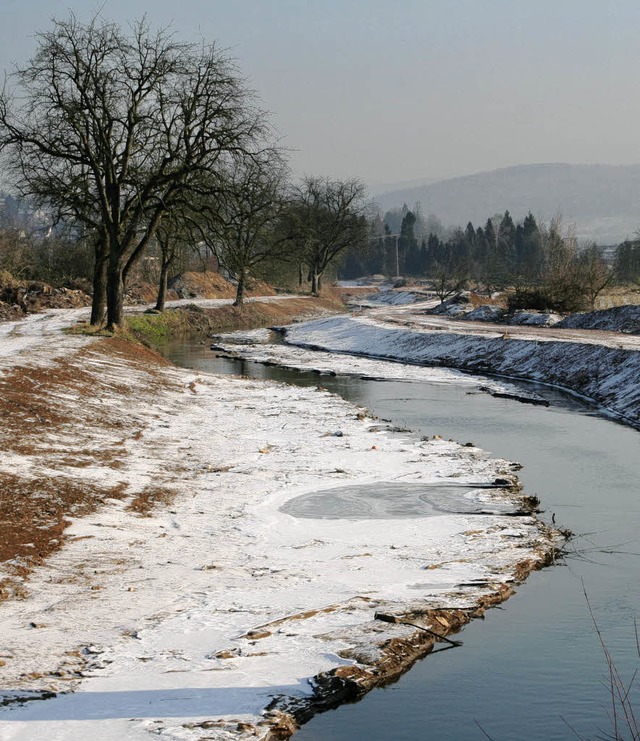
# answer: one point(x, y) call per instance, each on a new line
point(125, 141)
point(541, 263)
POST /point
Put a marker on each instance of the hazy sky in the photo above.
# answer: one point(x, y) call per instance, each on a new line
point(397, 90)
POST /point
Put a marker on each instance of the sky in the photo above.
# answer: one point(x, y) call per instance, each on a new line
point(409, 90)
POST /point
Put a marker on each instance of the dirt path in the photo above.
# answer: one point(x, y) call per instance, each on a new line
point(412, 316)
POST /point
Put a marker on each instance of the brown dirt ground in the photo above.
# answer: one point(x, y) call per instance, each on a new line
point(253, 315)
point(213, 285)
point(18, 297)
point(55, 418)
point(50, 416)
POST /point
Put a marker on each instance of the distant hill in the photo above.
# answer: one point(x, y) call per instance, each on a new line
point(603, 201)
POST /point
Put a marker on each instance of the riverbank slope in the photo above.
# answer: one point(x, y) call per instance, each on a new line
point(602, 366)
point(154, 586)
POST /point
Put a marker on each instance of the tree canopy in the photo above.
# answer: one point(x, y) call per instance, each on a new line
point(325, 218)
point(110, 129)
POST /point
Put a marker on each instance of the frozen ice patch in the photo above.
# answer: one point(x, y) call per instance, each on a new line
point(392, 500)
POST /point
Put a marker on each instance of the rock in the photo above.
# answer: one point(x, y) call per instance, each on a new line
point(486, 313)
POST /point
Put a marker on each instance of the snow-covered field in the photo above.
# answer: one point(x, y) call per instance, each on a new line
point(216, 613)
point(391, 297)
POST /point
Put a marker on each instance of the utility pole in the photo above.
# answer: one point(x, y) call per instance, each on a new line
point(397, 257)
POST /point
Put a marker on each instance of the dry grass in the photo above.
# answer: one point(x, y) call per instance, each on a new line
point(34, 514)
point(56, 420)
point(35, 402)
point(206, 285)
point(147, 500)
point(478, 299)
point(618, 296)
point(258, 314)
point(214, 285)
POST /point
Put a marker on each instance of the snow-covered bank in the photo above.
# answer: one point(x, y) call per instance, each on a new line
point(391, 297)
point(258, 346)
point(216, 611)
point(608, 375)
point(621, 318)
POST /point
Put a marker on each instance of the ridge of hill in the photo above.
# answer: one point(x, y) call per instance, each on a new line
point(603, 201)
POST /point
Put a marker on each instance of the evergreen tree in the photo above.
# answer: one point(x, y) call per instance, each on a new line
point(461, 253)
point(627, 262)
point(470, 234)
point(487, 272)
point(490, 236)
point(479, 256)
point(529, 250)
point(505, 262)
point(432, 253)
point(408, 246)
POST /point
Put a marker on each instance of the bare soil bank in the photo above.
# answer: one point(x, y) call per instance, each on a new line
point(45, 414)
point(197, 321)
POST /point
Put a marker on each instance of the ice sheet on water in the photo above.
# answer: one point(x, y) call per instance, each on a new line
point(393, 500)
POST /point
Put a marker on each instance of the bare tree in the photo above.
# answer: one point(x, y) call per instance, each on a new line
point(239, 227)
point(112, 129)
point(175, 237)
point(594, 272)
point(560, 280)
point(325, 217)
point(449, 272)
point(447, 280)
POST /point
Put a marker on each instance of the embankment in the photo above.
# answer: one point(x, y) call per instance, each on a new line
point(607, 375)
point(197, 320)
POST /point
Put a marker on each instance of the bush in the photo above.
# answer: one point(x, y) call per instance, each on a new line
point(527, 298)
point(555, 297)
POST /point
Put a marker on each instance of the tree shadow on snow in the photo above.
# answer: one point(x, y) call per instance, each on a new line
point(158, 703)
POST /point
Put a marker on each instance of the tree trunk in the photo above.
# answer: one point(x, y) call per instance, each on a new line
point(240, 290)
point(99, 299)
point(162, 286)
point(314, 283)
point(115, 295)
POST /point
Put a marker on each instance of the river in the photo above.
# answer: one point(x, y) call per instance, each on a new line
point(533, 668)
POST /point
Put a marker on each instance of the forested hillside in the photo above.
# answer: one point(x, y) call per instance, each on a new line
point(602, 200)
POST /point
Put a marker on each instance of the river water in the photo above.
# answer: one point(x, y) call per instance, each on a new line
point(533, 668)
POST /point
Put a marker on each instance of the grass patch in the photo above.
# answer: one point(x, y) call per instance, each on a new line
point(151, 328)
point(618, 296)
point(154, 329)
